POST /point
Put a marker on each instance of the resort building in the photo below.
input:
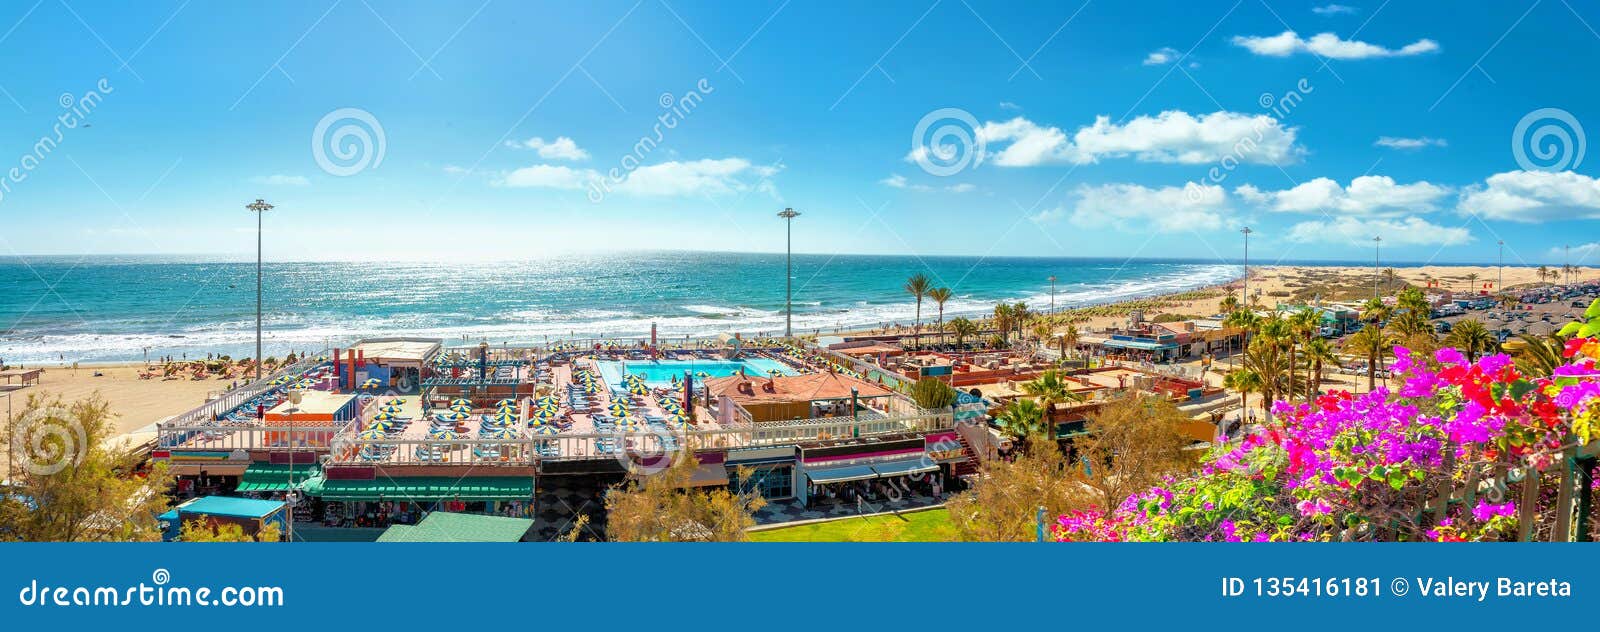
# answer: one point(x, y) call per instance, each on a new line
point(483, 430)
point(782, 398)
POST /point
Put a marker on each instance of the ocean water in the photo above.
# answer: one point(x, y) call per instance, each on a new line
point(120, 308)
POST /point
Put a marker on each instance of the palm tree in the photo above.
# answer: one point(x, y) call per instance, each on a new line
point(1472, 281)
point(1540, 355)
point(1020, 316)
point(918, 285)
point(1004, 314)
point(1229, 304)
point(962, 328)
point(1374, 344)
point(1389, 277)
point(939, 295)
point(1245, 382)
point(1022, 418)
point(1473, 339)
point(1303, 327)
point(1317, 353)
point(1069, 336)
point(1266, 356)
point(1543, 272)
point(1050, 389)
point(1508, 301)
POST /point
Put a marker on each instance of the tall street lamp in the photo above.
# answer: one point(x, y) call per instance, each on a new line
point(788, 216)
point(260, 208)
point(1377, 242)
point(1052, 292)
point(1246, 230)
point(1500, 273)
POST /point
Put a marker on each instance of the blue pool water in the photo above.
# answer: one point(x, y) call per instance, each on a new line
point(659, 374)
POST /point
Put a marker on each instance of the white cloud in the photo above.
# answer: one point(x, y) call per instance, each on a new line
point(1172, 137)
point(281, 180)
point(1328, 45)
point(1366, 195)
point(562, 148)
point(1582, 255)
point(899, 182)
point(1007, 105)
point(549, 177)
point(694, 177)
point(1534, 196)
point(1162, 56)
point(668, 179)
point(1136, 208)
point(1405, 231)
point(1334, 9)
point(455, 169)
point(1394, 142)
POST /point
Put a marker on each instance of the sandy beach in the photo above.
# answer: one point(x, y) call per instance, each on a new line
point(137, 403)
point(1303, 284)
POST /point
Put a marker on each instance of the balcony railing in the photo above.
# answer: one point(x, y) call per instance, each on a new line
point(349, 449)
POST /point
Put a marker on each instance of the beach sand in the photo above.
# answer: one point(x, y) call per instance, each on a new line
point(137, 403)
point(1281, 284)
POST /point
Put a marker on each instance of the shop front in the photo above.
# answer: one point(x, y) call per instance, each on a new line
point(871, 471)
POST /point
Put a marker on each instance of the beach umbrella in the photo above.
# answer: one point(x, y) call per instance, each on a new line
point(702, 374)
point(627, 424)
point(391, 409)
point(544, 430)
point(370, 383)
point(545, 414)
point(618, 408)
point(454, 415)
point(505, 403)
point(774, 373)
point(372, 434)
point(639, 389)
point(502, 433)
point(443, 433)
point(384, 416)
point(460, 402)
point(462, 408)
point(547, 400)
point(396, 402)
point(506, 418)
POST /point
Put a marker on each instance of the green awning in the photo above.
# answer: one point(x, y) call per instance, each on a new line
point(424, 488)
point(442, 526)
point(274, 477)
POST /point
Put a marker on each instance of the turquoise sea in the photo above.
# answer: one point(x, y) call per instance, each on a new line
point(115, 308)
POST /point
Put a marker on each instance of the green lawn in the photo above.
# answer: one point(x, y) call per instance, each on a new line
point(932, 525)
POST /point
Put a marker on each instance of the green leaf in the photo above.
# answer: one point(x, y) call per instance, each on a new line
point(1593, 311)
point(1589, 329)
point(1569, 329)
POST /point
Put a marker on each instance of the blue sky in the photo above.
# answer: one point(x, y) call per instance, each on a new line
point(1099, 128)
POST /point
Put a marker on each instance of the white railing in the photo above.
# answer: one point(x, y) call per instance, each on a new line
point(203, 437)
point(244, 393)
point(523, 450)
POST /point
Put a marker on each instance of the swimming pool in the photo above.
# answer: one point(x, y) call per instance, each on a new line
point(660, 373)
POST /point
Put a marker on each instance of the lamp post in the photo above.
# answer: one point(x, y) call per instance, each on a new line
point(788, 216)
point(1377, 242)
point(260, 208)
point(1052, 292)
point(1246, 231)
point(1500, 271)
